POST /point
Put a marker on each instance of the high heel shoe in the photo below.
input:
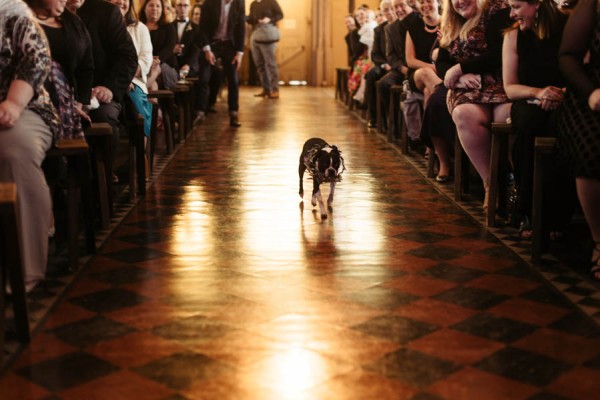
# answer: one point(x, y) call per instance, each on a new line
point(595, 270)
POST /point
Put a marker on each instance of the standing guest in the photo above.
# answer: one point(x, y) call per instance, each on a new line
point(264, 15)
point(138, 92)
point(72, 73)
point(533, 82)
point(115, 60)
point(471, 55)
point(186, 49)
point(579, 126)
point(222, 36)
point(381, 66)
point(28, 122)
point(164, 39)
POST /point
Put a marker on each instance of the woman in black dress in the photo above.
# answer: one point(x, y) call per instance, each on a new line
point(533, 82)
point(164, 39)
point(579, 125)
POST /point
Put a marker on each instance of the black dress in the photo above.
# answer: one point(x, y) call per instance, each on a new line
point(579, 126)
point(423, 42)
point(537, 67)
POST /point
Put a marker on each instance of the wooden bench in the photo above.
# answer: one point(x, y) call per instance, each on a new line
point(166, 102)
point(500, 132)
point(11, 265)
point(183, 99)
point(544, 149)
point(99, 137)
point(137, 161)
point(395, 116)
point(341, 84)
point(76, 151)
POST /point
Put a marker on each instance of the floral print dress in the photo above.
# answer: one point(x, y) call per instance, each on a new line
point(492, 90)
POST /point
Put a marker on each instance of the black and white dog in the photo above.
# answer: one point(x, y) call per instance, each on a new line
point(325, 164)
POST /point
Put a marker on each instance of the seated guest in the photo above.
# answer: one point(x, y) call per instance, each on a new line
point(362, 63)
point(351, 39)
point(381, 66)
point(186, 49)
point(579, 121)
point(196, 13)
point(71, 77)
point(395, 34)
point(471, 46)
point(138, 92)
point(28, 122)
point(164, 39)
point(420, 40)
point(115, 60)
point(533, 82)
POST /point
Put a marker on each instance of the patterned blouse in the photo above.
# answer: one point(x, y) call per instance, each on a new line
point(24, 55)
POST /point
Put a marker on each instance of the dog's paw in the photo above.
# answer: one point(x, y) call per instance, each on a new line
point(323, 216)
point(313, 202)
point(301, 206)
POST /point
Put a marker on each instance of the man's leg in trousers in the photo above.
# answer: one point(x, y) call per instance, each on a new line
point(385, 85)
point(231, 73)
point(203, 86)
point(109, 112)
point(371, 95)
point(216, 80)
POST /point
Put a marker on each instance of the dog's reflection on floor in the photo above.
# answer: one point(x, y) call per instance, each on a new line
point(318, 239)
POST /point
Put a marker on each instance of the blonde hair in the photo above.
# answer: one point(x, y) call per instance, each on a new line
point(453, 25)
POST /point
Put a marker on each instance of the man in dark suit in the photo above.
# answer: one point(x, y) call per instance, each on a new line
point(222, 35)
point(378, 56)
point(395, 54)
point(115, 59)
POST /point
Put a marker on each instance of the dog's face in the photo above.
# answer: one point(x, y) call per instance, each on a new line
point(328, 162)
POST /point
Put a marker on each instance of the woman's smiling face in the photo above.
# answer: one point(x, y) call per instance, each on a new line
point(524, 13)
point(465, 8)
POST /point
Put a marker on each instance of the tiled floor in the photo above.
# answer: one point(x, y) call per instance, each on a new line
point(218, 286)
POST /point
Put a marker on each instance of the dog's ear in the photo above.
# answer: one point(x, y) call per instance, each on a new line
point(335, 157)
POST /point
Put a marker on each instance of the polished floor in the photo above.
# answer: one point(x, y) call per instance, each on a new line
point(217, 285)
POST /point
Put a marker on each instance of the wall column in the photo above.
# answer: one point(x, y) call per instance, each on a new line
point(321, 43)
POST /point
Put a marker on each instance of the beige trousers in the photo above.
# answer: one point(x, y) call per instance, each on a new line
point(22, 150)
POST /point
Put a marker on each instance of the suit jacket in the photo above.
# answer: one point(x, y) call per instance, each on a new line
point(396, 42)
point(191, 51)
point(236, 28)
point(115, 58)
point(378, 51)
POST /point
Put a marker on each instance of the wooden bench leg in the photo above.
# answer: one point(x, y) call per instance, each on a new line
point(496, 153)
point(12, 265)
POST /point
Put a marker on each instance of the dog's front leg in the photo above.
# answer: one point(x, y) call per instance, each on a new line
point(331, 191)
point(317, 197)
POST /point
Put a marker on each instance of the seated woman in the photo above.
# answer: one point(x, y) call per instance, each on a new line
point(28, 122)
point(164, 39)
point(420, 39)
point(534, 83)
point(71, 78)
point(579, 121)
point(471, 46)
point(138, 92)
